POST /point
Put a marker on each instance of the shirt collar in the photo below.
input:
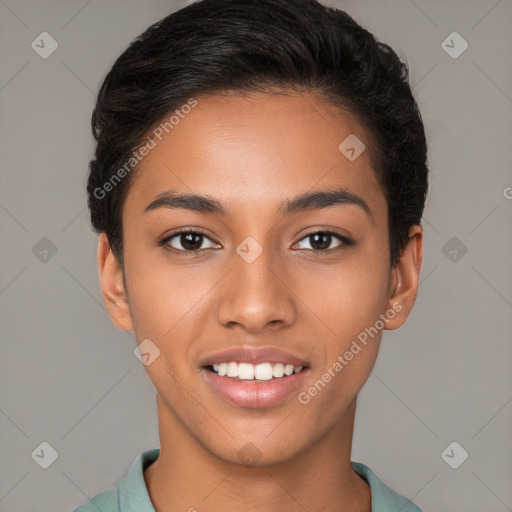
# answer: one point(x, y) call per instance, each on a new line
point(133, 493)
point(383, 498)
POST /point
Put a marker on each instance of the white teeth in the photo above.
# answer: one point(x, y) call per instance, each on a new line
point(262, 371)
point(278, 370)
point(232, 370)
point(245, 371)
point(288, 369)
point(223, 368)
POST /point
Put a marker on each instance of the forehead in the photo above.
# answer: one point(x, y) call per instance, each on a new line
point(257, 148)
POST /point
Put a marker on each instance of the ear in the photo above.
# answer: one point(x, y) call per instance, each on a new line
point(112, 286)
point(404, 281)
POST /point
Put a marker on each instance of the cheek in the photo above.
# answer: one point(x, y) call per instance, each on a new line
point(345, 304)
point(347, 297)
point(167, 306)
point(161, 294)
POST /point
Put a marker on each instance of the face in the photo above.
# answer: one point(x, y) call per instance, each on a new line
point(308, 277)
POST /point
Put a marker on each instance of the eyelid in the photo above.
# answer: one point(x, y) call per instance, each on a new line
point(344, 240)
point(181, 231)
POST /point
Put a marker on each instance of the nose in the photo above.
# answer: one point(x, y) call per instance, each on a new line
point(256, 295)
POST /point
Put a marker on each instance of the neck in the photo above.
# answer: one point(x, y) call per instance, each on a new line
point(187, 476)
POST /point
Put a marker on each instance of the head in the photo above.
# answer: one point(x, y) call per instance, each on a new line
point(254, 105)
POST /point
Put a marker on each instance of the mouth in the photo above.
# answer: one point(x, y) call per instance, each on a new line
point(254, 386)
point(247, 372)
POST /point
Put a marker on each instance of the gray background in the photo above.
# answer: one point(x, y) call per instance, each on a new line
point(68, 377)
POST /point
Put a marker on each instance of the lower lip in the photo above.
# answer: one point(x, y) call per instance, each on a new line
point(255, 394)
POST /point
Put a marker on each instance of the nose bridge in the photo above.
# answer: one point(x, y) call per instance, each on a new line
point(254, 293)
point(255, 266)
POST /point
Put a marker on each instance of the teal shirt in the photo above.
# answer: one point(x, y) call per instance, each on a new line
point(131, 494)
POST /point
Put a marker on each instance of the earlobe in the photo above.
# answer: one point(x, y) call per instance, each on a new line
point(112, 286)
point(405, 281)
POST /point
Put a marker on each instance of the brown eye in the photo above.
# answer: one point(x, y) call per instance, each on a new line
point(321, 241)
point(189, 241)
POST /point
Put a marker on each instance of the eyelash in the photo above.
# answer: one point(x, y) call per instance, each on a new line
point(345, 241)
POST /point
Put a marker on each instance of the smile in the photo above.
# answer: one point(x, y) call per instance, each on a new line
point(261, 372)
point(242, 389)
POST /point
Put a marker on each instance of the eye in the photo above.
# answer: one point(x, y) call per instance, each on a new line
point(320, 241)
point(187, 241)
point(190, 242)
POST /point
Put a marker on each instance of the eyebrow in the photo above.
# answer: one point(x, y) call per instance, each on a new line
point(305, 202)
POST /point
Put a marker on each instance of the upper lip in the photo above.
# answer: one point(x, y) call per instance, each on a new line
point(252, 355)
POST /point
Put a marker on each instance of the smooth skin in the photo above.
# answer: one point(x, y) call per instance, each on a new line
point(251, 153)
